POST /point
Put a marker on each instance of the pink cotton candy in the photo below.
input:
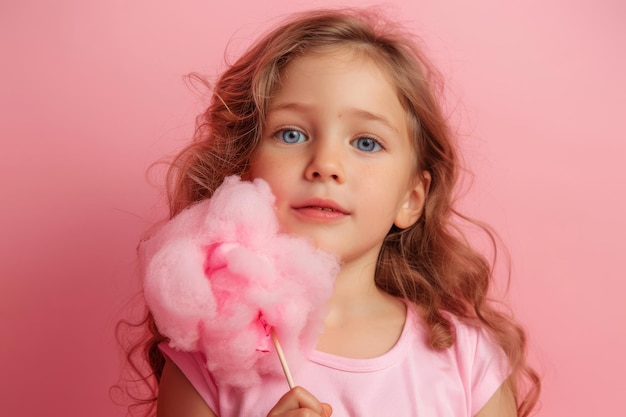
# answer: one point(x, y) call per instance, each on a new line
point(219, 276)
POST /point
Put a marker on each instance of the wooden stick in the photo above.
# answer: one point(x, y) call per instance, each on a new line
point(282, 359)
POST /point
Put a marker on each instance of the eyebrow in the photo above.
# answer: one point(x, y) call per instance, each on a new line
point(353, 111)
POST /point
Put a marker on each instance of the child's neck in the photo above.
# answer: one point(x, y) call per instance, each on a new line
point(362, 320)
point(355, 286)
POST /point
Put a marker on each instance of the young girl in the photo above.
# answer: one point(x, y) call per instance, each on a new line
point(338, 111)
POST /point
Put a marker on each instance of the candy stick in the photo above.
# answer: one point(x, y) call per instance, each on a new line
point(283, 361)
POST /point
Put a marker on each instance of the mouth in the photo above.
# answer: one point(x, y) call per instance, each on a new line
point(329, 209)
point(321, 205)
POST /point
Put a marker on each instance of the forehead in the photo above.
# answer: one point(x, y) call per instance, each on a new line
point(353, 70)
point(342, 55)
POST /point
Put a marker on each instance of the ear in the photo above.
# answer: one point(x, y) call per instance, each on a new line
point(413, 204)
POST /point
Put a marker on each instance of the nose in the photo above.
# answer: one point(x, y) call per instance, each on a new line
point(326, 163)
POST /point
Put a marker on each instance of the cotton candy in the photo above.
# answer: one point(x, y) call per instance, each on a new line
point(219, 277)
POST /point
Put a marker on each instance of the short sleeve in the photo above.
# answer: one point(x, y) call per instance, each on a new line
point(193, 367)
point(484, 364)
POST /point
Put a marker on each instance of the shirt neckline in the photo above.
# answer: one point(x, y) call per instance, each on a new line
point(377, 363)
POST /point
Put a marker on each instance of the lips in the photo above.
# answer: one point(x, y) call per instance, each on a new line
point(322, 205)
point(318, 210)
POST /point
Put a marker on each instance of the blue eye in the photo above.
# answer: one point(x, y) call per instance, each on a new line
point(367, 144)
point(290, 136)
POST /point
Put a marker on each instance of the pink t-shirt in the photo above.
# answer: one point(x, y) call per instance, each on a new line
point(411, 379)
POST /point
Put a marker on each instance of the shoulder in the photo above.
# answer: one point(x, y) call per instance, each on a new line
point(178, 397)
point(483, 364)
point(470, 335)
point(459, 380)
point(189, 377)
point(473, 343)
point(192, 366)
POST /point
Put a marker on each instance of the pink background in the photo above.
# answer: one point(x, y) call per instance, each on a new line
point(91, 94)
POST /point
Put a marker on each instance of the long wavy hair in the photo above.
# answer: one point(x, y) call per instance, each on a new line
point(430, 263)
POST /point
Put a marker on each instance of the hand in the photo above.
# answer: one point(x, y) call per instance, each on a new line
point(298, 402)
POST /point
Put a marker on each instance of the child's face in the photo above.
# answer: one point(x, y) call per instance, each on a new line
point(337, 153)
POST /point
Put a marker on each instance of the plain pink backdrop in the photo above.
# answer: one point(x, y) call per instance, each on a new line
point(91, 93)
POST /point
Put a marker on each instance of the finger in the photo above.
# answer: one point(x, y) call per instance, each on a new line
point(328, 410)
point(297, 398)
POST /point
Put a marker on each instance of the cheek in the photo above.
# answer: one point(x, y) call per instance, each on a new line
point(272, 172)
point(264, 171)
point(260, 165)
point(272, 166)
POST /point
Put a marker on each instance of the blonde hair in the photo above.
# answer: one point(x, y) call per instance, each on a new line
point(430, 263)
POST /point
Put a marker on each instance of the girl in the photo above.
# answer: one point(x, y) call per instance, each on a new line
point(338, 111)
